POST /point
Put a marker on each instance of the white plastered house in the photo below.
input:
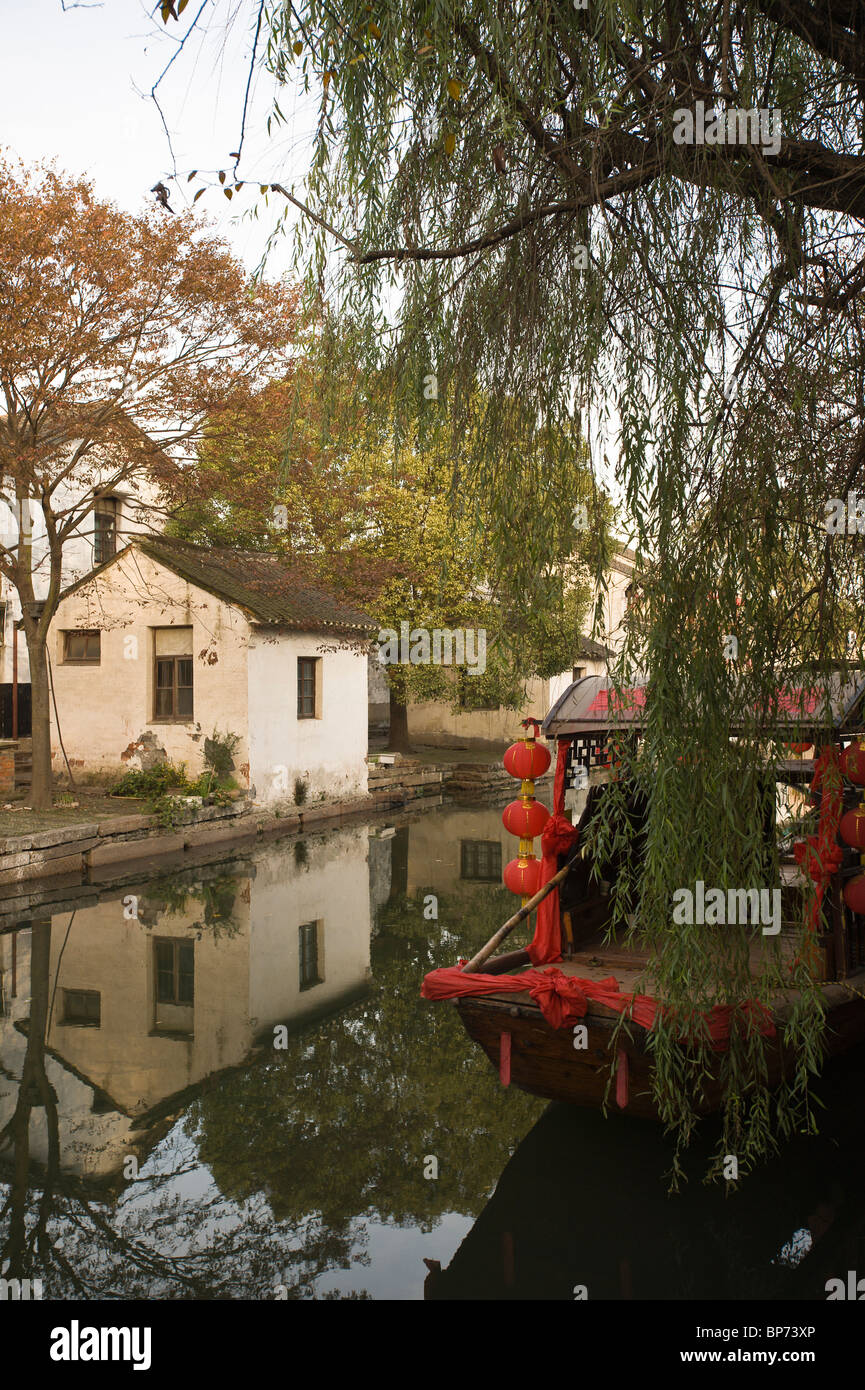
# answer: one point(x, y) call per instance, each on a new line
point(167, 644)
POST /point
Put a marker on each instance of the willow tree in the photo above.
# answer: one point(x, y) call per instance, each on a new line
point(645, 217)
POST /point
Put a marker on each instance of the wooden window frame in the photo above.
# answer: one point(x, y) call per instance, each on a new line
point(81, 660)
point(72, 1022)
point(470, 858)
point(313, 961)
point(302, 663)
point(173, 718)
point(107, 507)
point(175, 942)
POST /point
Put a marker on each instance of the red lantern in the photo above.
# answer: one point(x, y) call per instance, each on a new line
point(854, 894)
point(853, 763)
point(525, 819)
point(799, 747)
point(852, 828)
point(523, 877)
point(527, 760)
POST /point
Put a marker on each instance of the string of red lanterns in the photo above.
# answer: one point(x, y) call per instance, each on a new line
point(852, 826)
point(526, 817)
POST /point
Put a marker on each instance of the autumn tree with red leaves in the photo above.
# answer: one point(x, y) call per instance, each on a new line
point(120, 336)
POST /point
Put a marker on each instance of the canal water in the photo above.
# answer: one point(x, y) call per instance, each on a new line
point(223, 1083)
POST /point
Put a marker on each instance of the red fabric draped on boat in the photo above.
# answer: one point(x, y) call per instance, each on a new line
point(558, 837)
point(564, 1000)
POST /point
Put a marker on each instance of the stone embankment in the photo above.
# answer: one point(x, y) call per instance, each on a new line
point(94, 851)
point(467, 781)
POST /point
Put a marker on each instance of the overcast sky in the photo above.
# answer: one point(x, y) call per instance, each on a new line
point(76, 88)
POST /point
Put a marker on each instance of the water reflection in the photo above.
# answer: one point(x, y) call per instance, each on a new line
point(581, 1211)
point(224, 1084)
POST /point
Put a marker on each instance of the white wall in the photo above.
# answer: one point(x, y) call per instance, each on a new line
point(332, 888)
point(328, 753)
point(138, 511)
point(105, 709)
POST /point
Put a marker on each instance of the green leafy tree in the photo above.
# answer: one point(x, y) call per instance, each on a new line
point(387, 524)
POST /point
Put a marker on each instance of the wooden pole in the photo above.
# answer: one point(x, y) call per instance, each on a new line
point(486, 951)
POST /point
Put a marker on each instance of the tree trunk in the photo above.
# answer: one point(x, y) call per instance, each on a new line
point(399, 865)
point(40, 791)
point(398, 740)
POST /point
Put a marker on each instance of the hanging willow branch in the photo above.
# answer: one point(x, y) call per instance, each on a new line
point(514, 213)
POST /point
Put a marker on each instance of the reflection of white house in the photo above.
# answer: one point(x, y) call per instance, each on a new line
point(436, 722)
point(168, 644)
point(148, 999)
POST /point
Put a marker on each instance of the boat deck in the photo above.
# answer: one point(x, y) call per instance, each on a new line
point(597, 960)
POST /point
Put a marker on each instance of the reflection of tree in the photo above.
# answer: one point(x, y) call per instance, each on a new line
point(34, 1090)
point(44, 1210)
point(399, 863)
point(156, 1241)
point(304, 1145)
point(339, 1123)
point(215, 889)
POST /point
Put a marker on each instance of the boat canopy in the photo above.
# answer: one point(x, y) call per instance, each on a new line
point(592, 705)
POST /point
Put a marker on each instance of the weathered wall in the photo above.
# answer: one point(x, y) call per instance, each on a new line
point(246, 980)
point(435, 858)
point(105, 709)
point(436, 724)
point(327, 753)
point(379, 695)
point(127, 1055)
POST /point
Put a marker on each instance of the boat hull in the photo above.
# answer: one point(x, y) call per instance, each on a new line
point(544, 1061)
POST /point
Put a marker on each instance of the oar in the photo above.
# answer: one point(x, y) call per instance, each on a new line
point(486, 951)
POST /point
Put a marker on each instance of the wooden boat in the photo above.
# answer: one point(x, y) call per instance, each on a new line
point(545, 1061)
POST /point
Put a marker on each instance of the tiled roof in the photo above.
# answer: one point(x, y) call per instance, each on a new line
point(596, 651)
point(264, 586)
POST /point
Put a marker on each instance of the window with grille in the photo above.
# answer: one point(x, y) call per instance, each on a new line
point(173, 688)
point(82, 1007)
point(175, 971)
point(308, 954)
point(104, 530)
point(307, 679)
point(481, 860)
point(82, 647)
